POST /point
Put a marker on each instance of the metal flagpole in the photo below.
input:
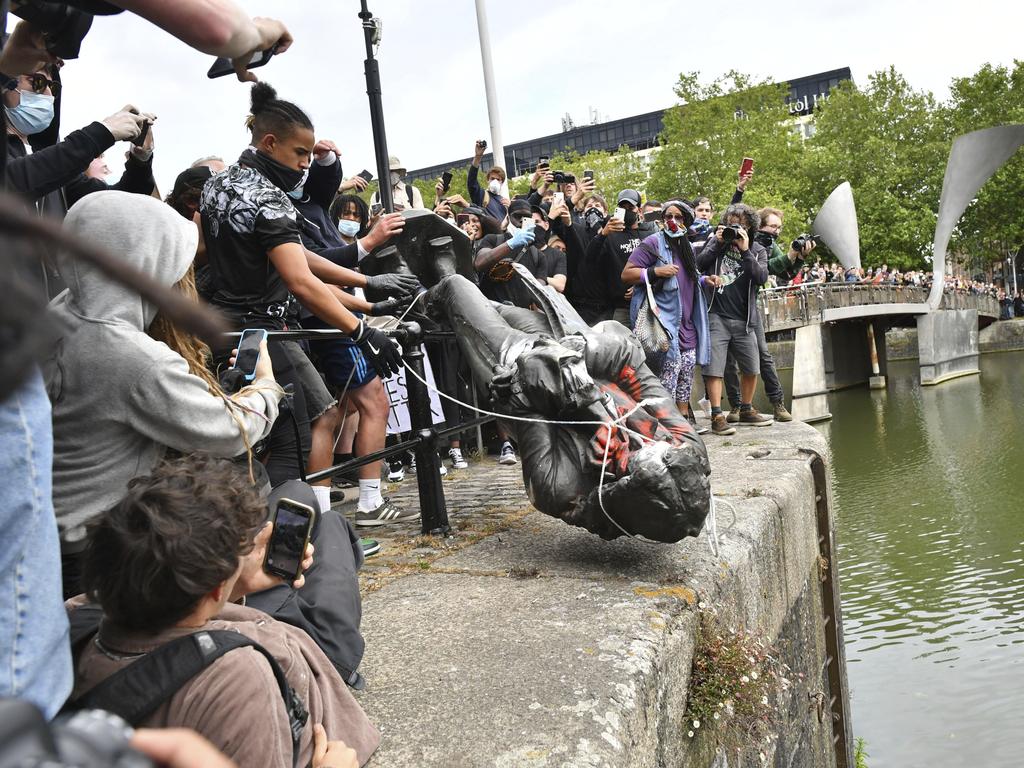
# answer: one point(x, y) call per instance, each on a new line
point(497, 147)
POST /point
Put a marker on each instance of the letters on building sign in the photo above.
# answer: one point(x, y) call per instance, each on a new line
point(805, 105)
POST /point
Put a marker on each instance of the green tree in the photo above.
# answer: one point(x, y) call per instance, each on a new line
point(992, 227)
point(714, 127)
point(891, 143)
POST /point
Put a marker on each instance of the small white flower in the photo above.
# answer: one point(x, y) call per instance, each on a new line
point(696, 723)
point(754, 674)
point(721, 705)
point(690, 734)
point(702, 605)
point(744, 679)
point(717, 716)
point(764, 700)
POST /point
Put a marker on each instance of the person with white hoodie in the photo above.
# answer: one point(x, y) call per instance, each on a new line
point(126, 387)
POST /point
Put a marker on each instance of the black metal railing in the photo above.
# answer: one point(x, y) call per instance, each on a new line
point(424, 439)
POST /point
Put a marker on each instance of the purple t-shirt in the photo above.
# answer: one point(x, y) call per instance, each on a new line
point(646, 255)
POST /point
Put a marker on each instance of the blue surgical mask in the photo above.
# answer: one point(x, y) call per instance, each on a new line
point(33, 114)
point(348, 228)
point(296, 194)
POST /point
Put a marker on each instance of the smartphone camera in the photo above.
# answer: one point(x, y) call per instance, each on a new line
point(293, 524)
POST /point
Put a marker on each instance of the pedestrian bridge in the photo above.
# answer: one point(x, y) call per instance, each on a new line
point(836, 326)
point(788, 308)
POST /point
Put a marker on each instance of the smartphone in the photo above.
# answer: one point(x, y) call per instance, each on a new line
point(376, 208)
point(461, 218)
point(558, 198)
point(224, 66)
point(249, 352)
point(293, 524)
point(365, 175)
point(620, 214)
point(588, 174)
point(137, 141)
point(747, 166)
point(446, 181)
point(543, 162)
point(529, 224)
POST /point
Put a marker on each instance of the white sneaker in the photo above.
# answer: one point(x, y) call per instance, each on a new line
point(508, 454)
point(458, 462)
point(396, 472)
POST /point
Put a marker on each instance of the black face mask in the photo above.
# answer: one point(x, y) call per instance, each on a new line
point(540, 237)
point(281, 176)
point(630, 218)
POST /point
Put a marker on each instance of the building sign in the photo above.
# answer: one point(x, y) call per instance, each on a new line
point(804, 105)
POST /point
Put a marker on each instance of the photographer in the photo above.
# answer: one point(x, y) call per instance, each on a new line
point(735, 266)
point(29, 106)
point(785, 266)
point(489, 199)
point(174, 557)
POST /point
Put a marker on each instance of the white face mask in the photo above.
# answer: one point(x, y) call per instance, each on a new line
point(395, 179)
point(494, 187)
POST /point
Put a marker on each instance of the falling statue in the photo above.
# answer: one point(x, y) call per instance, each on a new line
point(603, 446)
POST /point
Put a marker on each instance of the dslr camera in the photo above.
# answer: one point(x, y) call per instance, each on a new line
point(800, 242)
point(89, 738)
point(730, 232)
point(561, 177)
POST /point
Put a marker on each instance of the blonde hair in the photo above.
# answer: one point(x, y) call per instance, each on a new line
point(197, 355)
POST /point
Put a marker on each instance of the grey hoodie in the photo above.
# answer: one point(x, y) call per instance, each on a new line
point(120, 398)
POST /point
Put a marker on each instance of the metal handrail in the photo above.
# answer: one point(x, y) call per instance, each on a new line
point(789, 307)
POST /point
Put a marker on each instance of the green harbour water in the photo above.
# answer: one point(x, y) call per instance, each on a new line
point(929, 503)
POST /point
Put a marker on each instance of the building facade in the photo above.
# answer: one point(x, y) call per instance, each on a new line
point(639, 132)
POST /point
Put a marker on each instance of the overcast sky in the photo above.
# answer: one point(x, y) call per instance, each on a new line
point(621, 58)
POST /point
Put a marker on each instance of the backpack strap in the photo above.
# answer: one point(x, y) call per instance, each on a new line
point(135, 692)
point(408, 193)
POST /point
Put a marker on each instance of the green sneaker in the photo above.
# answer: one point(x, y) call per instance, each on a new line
point(370, 547)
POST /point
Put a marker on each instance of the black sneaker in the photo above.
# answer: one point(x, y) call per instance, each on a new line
point(386, 513)
point(396, 472)
point(754, 418)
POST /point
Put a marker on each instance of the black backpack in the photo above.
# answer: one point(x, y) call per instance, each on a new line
point(135, 692)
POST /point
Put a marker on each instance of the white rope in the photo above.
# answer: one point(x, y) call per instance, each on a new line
point(617, 423)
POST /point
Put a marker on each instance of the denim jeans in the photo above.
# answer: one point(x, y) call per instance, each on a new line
point(35, 655)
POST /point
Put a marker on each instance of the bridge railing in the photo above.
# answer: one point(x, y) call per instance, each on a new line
point(795, 306)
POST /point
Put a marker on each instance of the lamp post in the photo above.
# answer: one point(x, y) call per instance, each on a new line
point(372, 35)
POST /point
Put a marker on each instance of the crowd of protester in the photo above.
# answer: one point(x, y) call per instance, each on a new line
point(145, 464)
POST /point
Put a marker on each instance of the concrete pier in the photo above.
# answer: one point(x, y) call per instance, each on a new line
point(538, 644)
point(947, 342)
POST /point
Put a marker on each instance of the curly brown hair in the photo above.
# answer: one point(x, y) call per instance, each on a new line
point(177, 534)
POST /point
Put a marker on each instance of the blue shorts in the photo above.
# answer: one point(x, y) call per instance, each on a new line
point(343, 364)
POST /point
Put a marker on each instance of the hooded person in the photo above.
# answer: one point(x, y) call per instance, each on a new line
point(125, 385)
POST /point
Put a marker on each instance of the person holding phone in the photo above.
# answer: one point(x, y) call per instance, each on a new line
point(126, 385)
point(178, 554)
point(490, 199)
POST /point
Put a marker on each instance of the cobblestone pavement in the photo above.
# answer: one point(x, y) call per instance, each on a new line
point(484, 499)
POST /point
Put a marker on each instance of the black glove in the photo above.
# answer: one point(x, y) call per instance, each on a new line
point(394, 306)
point(393, 285)
point(381, 351)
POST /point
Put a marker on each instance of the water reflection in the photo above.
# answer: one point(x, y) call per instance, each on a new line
point(929, 486)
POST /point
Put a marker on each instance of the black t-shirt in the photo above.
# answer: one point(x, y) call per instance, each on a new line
point(510, 291)
point(619, 246)
point(554, 261)
point(244, 216)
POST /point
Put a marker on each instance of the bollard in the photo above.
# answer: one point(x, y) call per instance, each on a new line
point(433, 511)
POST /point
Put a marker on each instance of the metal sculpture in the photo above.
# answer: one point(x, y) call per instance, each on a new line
point(836, 224)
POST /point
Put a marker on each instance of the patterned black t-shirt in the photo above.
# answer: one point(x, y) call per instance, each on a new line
point(244, 216)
